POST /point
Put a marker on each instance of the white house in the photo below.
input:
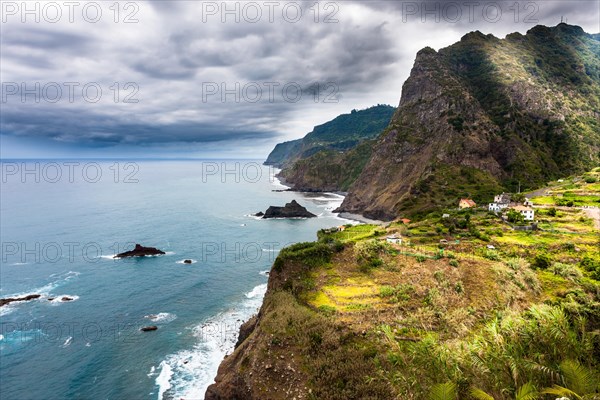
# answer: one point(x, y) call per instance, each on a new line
point(528, 202)
point(501, 202)
point(446, 216)
point(497, 207)
point(394, 239)
point(527, 212)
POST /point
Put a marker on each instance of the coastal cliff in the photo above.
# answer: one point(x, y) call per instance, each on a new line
point(355, 317)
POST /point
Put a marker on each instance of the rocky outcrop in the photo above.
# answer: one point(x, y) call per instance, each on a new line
point(290, 210)
point(9, 300)
point(140, 251)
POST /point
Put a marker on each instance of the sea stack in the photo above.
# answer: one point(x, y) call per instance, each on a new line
point(290, 210)
point(140, 251)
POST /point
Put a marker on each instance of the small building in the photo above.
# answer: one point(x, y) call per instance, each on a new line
point(443, 241)
point(394, 239)
point(341, 228)
point(491, 247)
point(466, 203)
point(528, 213)
point(497, 207)
point(528, 202)
point(501, 202)
point(405, 221)
point(503, 198)
point(445, 215)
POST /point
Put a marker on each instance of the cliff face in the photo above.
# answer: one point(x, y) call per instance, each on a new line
point(323, 148)
point(483, 114)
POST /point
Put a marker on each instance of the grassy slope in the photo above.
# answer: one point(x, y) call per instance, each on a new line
point(353, 317)
point(583, 190)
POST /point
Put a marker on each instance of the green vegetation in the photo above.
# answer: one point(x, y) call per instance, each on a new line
point(397, 321)
point(341, 134)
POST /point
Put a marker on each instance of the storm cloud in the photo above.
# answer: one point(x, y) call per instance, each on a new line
point(223, 78)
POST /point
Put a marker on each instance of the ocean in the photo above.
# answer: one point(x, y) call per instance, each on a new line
point(62, 222)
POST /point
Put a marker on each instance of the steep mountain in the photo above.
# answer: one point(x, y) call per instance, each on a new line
point(483, 115)
point(307, 162)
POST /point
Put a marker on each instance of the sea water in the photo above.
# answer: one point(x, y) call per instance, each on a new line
point(62, 223)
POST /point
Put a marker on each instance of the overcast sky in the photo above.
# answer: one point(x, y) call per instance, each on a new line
point(215, 79)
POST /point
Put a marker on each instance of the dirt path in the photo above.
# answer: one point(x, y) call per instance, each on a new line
point(594, 213)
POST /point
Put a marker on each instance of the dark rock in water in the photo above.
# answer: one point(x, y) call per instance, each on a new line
point(290, 210)
point(149, 328)
point(187, 261)
point(140, 251)
point(9, 300)
point(259, 214)
point(66, 298)
point(50, 298)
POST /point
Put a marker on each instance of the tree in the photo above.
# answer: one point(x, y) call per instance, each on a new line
point(518, 197)
point(552, 212)
point(515, 217)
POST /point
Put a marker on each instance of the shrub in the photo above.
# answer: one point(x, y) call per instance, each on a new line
point(552, 212)
point(421, 258)
point(591, 265)
point(542, 261)
point(454, 263)
point(565, 270)
point(491, 255)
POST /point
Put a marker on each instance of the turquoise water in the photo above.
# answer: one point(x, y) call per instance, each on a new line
point(58, 237)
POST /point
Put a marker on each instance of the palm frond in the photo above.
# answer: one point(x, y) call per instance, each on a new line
point(444, 391)
point(577, 377)
point(527, 392)
point(562, 391)
point(479, 394)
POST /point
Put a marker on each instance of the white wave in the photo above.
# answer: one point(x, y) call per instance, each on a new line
point(257, 291)
point(152, 372)
point(19, 263)
point(6, 310)
point(88, 344)
point(161, 317)
point(252, 216)
point(182, 261)
point(59, 298)
point(192, 371)
point(68, 341)
point(265, 272)
point(163, 379)
point(1, 337)
point(270, 250)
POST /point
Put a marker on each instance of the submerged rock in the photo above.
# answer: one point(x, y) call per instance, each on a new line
point(290, 210)
point(187, 261)
point(259, 214)
point(140, 251)
point(149, 328)
point(9, 300)
point(66, 298)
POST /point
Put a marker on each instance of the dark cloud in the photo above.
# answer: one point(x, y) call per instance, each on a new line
point(175, 51)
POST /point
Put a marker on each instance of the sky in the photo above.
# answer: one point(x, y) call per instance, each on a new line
point(215, 79)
